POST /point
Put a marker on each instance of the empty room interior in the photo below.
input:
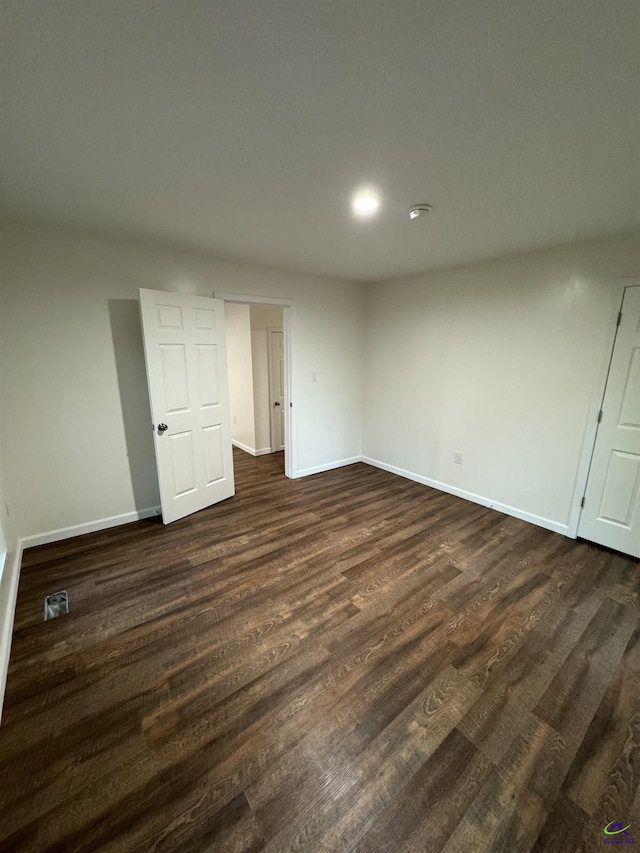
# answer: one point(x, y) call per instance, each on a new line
point(319, 425)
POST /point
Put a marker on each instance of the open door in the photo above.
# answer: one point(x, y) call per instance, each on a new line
point(611, 513)
point(275, 351)
point(186, 358)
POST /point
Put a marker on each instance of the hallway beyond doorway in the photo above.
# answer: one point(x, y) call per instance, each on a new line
point(254, 472)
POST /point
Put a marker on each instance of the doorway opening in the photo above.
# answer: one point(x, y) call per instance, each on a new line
point(255, 362)
point(186, 360)
point(259, 347)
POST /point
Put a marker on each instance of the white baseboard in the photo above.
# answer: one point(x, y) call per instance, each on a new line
point(242, 446)
point(329, 466)
point(539, 520)
point(262, 452)
point(8, 597)
point(88, 527)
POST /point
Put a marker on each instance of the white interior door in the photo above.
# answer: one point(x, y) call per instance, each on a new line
point(275, 341)
point(186, 357)
point(611, 513)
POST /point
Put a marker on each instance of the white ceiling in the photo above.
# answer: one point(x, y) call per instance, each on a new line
point(244, 126)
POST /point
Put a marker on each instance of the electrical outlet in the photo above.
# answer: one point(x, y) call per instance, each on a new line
point(457, 458)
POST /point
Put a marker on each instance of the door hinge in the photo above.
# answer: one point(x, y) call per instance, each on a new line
point(582, 503)
point(600, 416)
point(619, 319)
point(291, 405)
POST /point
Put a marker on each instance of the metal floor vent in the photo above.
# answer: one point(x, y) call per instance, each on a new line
point(56, 604)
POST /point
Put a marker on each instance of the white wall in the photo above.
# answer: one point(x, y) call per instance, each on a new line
point(76, 416)
point(263, 317)
point(240, 371)
point(10, 550)
point(499, 361)
point(3, 545)
point(9, 574)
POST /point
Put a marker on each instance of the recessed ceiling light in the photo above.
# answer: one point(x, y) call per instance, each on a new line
point(419, 210)
point(365, 204)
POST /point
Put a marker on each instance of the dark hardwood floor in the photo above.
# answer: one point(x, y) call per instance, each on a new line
point(348, 662)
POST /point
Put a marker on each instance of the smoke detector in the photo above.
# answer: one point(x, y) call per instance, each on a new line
point(419, 210)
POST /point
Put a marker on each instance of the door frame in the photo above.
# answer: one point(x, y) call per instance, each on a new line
point(589, 442)
point(288, 330)
point(271, 330)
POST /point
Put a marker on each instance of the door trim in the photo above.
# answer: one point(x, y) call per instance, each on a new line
point(288, 329)
point(596, 404)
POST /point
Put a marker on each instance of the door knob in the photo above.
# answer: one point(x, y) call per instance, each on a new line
point(276, 404)
point(162, 427)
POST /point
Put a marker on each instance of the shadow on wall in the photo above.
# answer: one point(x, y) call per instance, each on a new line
point(126, 332)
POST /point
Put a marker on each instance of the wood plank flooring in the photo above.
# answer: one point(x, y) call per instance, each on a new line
point(347, 662)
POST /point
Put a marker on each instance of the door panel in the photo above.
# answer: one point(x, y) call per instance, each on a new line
point(214, 453)
point(186, 361)
point(205, 319)
point(208, 375)
point(182, 462)
point(169, 317)
point(611, 513)
point(174, 378)
point(630, 410)
point(275, 340)
point(620, 487)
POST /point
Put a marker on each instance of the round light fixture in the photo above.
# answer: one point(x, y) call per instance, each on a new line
point(419, 210)
point(365, 204)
